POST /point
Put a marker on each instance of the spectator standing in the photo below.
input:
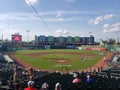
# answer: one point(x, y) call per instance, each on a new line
point(31, 72)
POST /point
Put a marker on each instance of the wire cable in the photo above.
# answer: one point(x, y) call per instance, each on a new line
point(40, 17)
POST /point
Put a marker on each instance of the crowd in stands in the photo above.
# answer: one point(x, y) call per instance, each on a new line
point(15, 77)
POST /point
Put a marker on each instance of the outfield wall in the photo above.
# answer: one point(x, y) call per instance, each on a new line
point(98, 49)
point(113, 47)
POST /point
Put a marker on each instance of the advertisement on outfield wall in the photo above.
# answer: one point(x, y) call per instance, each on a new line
point(99, 49)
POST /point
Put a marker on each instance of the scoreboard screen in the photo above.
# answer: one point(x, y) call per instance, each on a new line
point(16, 38)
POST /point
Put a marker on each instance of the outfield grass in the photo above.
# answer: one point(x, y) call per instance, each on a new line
point(46, 59)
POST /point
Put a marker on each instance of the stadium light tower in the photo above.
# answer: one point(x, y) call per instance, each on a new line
point(1, 36)
point(28, 36)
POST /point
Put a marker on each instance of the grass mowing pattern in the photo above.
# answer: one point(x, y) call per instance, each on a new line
point(48, 58)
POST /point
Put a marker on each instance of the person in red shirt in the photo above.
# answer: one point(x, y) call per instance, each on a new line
point(30, 86)
point(76, 80)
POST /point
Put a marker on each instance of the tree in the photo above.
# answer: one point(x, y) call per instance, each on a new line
point(111, 41)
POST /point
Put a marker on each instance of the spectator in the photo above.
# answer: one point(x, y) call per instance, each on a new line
point(31, 72)
point(30, 86)
point(17, 86)
point(45, 86)
point(58, 86)
point(0, 84)
point(89, 79)
point(76, 80)
point(17, 74)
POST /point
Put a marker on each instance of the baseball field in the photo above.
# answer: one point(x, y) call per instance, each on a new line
point(58, 59)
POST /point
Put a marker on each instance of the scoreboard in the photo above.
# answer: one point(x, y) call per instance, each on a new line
point(16, 38)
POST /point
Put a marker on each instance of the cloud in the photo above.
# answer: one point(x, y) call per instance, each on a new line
point(62, 32)
point(96, 20)
point(69, 0)
point(11, 31)
point(59, 17)
point(48, 16)
point(111, 28)
point(100, 19)
point(33, 17)
point(108, 16)
point(31, 2)
point(16, 16)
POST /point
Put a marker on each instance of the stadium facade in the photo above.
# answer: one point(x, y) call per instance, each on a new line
point(69, 40)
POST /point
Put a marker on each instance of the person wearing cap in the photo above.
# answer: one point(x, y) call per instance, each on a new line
point(76, 80)
point(44, 86)
point(89, 79)
point(30, 86)
point(58, 86)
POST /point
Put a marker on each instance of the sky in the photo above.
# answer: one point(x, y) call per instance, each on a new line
point(100, 18)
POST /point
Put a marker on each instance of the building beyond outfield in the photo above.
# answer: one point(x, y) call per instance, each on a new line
point(69, 40)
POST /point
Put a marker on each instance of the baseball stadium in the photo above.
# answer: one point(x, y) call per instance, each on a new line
point(60, 59)
point(60, 45)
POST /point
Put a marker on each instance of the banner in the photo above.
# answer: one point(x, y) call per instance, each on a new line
point(99, 49)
